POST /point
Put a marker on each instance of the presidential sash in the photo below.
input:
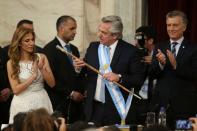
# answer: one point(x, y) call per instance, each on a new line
point(116, 95)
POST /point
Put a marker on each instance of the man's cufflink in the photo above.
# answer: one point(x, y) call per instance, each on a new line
point(71, 95)
point(120, 78)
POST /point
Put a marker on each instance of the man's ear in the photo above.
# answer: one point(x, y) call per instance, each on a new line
point(61, 28)
point(184, 27)
point(115, 36)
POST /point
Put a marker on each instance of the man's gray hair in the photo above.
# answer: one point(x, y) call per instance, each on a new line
point(117, 26)
point(175, 13)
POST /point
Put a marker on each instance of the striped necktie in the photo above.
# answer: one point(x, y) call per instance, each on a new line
point(173, 50)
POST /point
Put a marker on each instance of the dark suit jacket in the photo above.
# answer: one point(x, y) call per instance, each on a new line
point(143, 53)
point(143, 105)
point(4, 106)
point(177, 88)
point(67, 80)
point(3, 76)
point(126, 62)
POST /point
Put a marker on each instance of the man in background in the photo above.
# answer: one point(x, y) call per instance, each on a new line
point(5, 91)
point(67, 96)
point(145, 40)
point(175, 68)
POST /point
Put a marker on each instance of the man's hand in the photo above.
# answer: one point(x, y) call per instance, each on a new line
point(161, 57)
point(194, 123)
point(112, 77)
point(147, 59)
point(5, 94)
point(172, 59)
point(77, 96)
point(78, 63)
point(62, 124)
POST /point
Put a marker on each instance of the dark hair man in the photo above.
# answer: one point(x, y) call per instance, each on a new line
point(67, 96)
point(175, 67)
point(145, 39)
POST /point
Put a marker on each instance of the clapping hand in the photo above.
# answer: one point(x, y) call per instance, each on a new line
point(171, 58)
point(40, 60)
point(161, 57)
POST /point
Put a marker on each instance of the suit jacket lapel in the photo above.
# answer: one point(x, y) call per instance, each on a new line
point(65, 57)
point(96, 64)
point(57, 42)
point(168, 47)
point(182, 49)
point(117, 53)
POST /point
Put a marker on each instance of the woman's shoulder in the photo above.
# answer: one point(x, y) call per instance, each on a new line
point(9, 62)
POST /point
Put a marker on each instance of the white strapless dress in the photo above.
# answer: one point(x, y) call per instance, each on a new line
point(33, 97)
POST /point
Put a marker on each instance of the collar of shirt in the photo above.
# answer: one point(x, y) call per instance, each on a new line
point(179, 41)
point(61, 41)
point(151, 53)
point(112, 48)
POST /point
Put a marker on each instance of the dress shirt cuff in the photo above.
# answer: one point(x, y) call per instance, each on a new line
point(78, 70)
point(120, 78)
point(71, 94)
point(161, 66)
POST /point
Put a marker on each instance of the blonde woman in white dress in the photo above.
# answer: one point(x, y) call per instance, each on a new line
point(27, 72)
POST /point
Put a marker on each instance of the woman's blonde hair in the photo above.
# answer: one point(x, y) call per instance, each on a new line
point(14, 49)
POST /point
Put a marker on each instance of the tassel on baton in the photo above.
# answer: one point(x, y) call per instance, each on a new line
point(97, 71)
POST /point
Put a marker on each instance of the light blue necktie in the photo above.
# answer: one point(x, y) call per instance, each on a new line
point(67, 46)
point(108, 53)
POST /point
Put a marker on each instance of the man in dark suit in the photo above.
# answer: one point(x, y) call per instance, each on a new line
point(126, 69)
point(175, 67)
point(67, 95)
point(5, 91)
point(145, 37)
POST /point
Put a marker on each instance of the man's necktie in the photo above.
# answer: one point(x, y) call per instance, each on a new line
point(109, 53)
point(174, 48)
point(68, 49)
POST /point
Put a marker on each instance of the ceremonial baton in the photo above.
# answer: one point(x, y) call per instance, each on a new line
point(97, 71)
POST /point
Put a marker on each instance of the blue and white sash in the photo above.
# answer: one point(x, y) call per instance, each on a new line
point(118, 99)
